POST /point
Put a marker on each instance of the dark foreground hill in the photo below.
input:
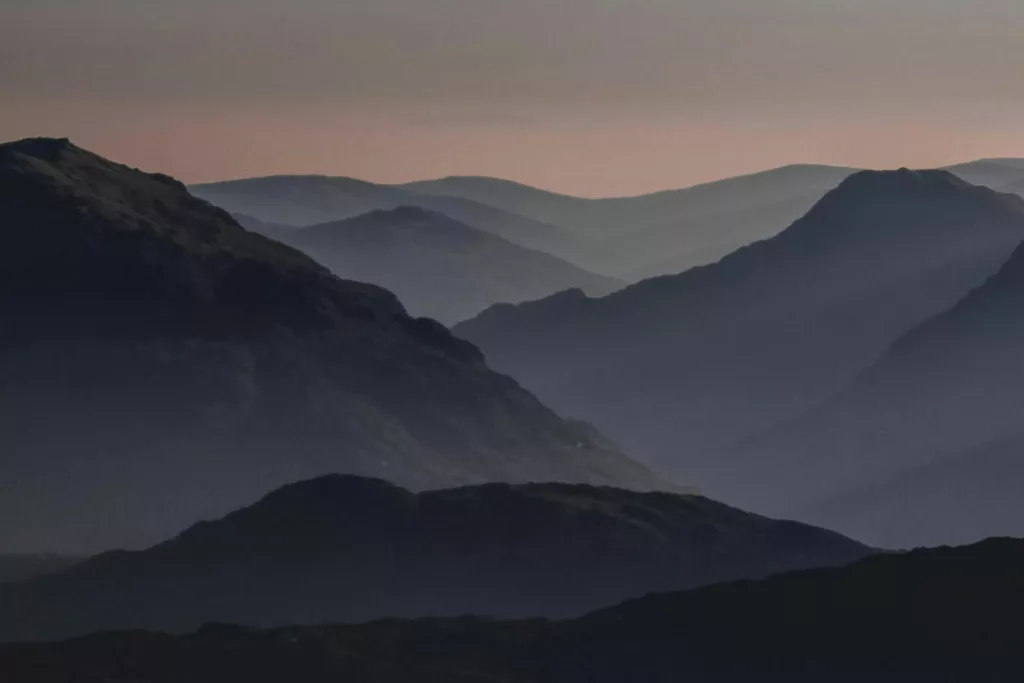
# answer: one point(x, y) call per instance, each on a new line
point(947, 615)
point(343, 548)
point(440, 268)
point(160, 364)
point(16, 568)
point(680, 369)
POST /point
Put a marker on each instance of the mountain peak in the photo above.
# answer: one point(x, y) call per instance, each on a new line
point(48, 149)
point(901, 198)
point(904, 179)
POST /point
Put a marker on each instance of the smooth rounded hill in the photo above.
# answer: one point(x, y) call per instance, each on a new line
point(299, 201)
point(159, 364)
point(343, 548)
point(440, 268)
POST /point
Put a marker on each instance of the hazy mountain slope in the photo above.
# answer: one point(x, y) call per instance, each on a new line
point(438, 267)
point(15, 568)
point(946, 615)
point(935, 423)
point(273, 230)
point(669, 249)
point(629, 237)
point(1016, 187)
point(665, 232)
point(678, 368)
point(344, 548)
point(994, 173)
point(308, 200)
point(621, 216)
point(541, 205)
point(953, 497)
point(159, 363)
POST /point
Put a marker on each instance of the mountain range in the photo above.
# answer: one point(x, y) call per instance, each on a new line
point(629, 238)
point(169, 355)
point(947, 615)
point(299, 201)
point(665, 232)
point(682, 369)
point(438, 267)
point(160, 364)
point(343, 548)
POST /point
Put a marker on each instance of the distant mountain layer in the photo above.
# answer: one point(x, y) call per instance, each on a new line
point(669, 232)
point(300, 201)
point(438, 267)
point(994, 173)
point(665, 232)
point(344, 548)
point(158, 364)
point(630, 238)
point(680, 369)
point(948, 615)
point(626, 216)
point(926, 446)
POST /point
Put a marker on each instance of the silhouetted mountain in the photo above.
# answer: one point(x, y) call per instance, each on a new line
point(158, 363)
point(344, 548)
point(300, 201)
point(438, 267)
point(680, 368)
point(947, 615)
point(926, 446)
point(15, 568)
point(666, 232)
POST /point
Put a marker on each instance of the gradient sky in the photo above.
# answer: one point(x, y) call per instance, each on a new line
point(593, 97)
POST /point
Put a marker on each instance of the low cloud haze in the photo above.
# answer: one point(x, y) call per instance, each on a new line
point(593, 97)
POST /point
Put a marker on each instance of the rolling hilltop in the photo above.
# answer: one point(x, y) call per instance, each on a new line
point(343, 548)
point(439, 268)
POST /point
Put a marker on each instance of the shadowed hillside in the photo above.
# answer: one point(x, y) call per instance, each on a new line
point(947, 615)
point(926, 447)
point(159, 363)
point(16, 568)
point(344, 548)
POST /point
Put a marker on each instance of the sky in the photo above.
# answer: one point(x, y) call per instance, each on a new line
point(589, 97)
